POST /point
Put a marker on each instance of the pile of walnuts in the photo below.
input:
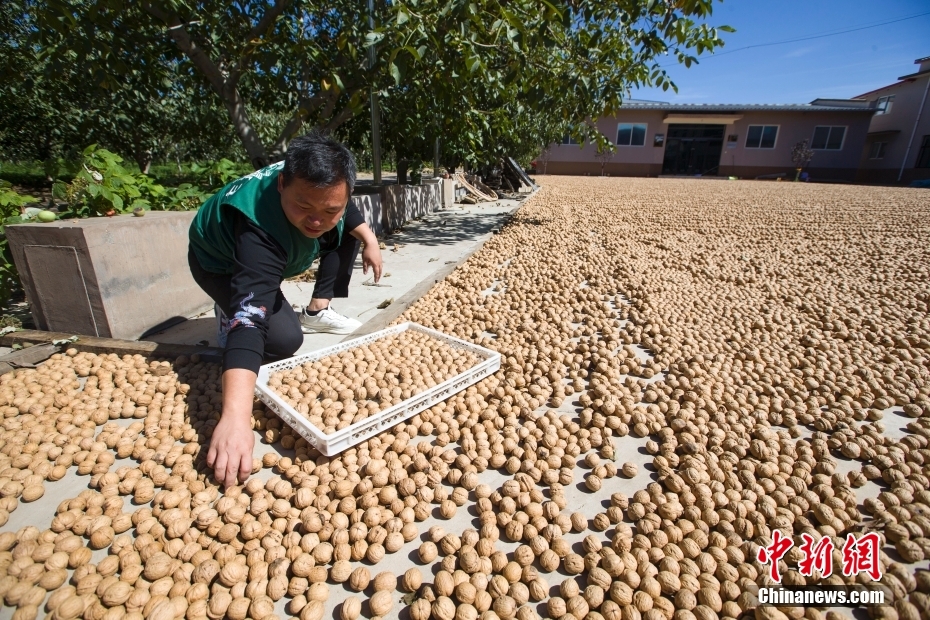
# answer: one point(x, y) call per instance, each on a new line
point(346, 388)
point(785, 388)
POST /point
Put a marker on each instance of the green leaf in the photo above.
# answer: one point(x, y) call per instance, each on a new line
point(414, 53)
point(372, 38)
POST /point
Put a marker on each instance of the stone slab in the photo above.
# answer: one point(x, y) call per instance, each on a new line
point(448, 193)
point(390, 206)
point(115, 277)
point(92, 344)
point(402, 203)
point(369, 204)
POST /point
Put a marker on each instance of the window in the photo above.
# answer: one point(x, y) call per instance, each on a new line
point(761, 136)
point(923, 156)
point(877, 150)
point(567, 139)
point(828, 138)
point(883, 105)
point(631, 134)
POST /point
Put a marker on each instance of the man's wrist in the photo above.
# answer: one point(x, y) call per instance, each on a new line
point(364, 233)
point(238, 389)
point(237, 413)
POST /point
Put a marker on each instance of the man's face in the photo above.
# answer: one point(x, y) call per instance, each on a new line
point(312, 210)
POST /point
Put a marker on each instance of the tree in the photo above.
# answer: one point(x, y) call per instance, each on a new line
point(604, 155)
point(545, 153)
point(526, 72)
point(469, 71)
point(38, 111)
point(51, 107)
point(801, 155)
point(284, 62)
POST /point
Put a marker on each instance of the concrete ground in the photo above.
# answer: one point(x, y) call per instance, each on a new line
point(414, 258)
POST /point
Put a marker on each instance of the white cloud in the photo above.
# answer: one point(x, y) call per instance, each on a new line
point(801, 51)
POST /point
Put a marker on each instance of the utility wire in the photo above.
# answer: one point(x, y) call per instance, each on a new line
point(817, 36)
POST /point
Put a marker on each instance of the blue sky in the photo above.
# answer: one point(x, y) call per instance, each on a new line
point(841, 66)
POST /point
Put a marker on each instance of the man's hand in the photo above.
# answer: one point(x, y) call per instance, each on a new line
point(371, 257)
point(230, 454)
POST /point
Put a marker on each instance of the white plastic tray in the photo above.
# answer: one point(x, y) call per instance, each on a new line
point(335, 443)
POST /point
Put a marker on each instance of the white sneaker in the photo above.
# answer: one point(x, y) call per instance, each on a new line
point(327, 320)
point(222, 326)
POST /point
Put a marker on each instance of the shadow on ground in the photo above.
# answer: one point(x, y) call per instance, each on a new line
point(447, 228)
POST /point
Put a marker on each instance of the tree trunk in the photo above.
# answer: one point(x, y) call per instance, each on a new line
point(223, 79)
point(144, 160)
point(142, 155)
point(254, 148)
point(45, 150)
point(403, 166)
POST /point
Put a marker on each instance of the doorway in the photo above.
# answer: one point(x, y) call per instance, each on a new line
point(693, 149)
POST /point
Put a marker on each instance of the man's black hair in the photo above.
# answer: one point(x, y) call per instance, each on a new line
point(320, 160)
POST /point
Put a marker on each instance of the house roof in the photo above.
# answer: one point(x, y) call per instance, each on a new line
point(875, 90)
point(704, 108)
point(911, 76)
point(904, 78)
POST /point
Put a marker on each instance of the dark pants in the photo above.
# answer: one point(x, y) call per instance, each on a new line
point(284, 335)
point(332, 279)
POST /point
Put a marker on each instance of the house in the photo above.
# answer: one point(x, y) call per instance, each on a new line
point(747, 141)
point(897, 146)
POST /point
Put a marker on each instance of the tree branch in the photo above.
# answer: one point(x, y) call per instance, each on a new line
point(330, 104)
point(225, 84)
point(339, 119)
point(268, 19)
point(305, 108)
point(177, 30)
point(259, 30)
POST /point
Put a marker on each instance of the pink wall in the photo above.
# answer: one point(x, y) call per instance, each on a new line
point(793, 127)
point(907, 97)
point(646, 154)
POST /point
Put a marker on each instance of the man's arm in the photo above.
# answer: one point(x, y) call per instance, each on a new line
point(371, 255)
point(232, 443)
point(260, 263)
